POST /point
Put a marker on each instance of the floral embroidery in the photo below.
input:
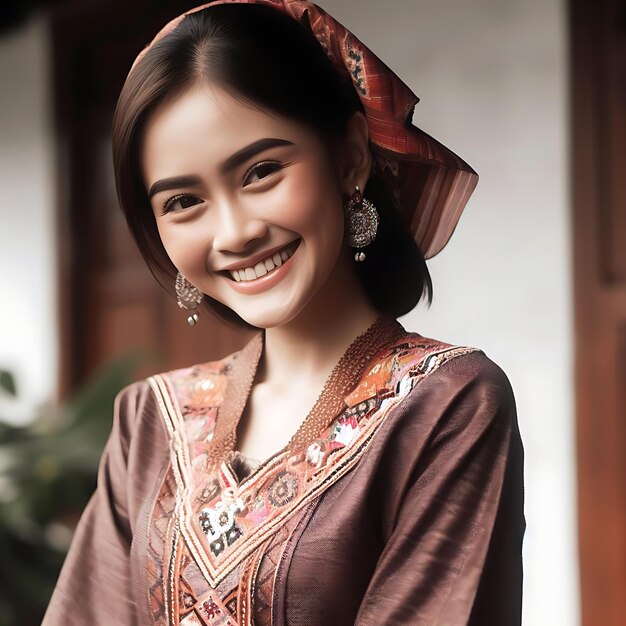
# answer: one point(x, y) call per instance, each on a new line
point(218, 524)
point(344, 433)
point(283, 488)
point(224, 540)
point(315, 453)
point(211, 609)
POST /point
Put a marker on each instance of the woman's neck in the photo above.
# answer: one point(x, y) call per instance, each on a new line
point(304, 351)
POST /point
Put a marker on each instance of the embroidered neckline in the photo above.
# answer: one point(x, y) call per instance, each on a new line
point(222, 520)
point(365, 348)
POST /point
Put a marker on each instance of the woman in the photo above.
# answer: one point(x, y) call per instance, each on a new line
point(338, 469)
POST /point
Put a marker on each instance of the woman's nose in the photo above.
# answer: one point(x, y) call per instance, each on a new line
point(236, 227)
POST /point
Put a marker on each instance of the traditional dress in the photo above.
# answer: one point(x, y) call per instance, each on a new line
point(407, 509)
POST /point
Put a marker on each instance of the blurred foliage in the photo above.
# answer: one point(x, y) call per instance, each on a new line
point(47, 474)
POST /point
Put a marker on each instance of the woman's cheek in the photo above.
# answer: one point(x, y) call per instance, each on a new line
point(297, 204)
point(281, 205)
point(182, 249)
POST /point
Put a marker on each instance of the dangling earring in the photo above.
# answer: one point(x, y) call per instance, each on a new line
point(189, 297)
point(362, 218)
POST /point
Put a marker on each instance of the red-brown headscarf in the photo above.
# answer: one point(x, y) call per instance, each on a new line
point(430, 183)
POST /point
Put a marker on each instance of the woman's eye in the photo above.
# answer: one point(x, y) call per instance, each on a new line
point(261, 170)
point(183, 200)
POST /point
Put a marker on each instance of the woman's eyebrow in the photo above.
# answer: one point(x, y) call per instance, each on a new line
point(247, 152)
point(233, 161)
point(176, 182)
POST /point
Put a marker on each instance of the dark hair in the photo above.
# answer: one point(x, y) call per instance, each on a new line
point(266, 58)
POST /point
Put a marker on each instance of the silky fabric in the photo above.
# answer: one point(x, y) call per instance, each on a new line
point(431, 185)
point(417, 518)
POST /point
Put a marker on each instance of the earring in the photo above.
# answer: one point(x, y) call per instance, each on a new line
point(362, 218)
point(189, 297)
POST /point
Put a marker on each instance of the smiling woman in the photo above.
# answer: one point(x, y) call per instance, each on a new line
point(254, 185)
point(338, 469)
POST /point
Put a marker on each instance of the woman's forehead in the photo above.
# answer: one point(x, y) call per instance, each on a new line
point(207, 123)
point(214, 109)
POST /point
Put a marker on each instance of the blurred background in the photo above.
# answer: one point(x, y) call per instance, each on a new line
point(529, 92)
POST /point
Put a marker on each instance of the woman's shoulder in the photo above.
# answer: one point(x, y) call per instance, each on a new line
point(432, 384)
point(206, 371)
point(196, 389)
point(457, 363)
point(413, 357)
point(448, 398)
point(461, 384)
point(141, 407)
point(431, 375)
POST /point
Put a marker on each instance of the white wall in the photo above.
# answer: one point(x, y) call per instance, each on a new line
point(28, 324)
point(491, 75)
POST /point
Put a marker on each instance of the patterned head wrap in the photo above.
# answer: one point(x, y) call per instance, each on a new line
point(431, 184)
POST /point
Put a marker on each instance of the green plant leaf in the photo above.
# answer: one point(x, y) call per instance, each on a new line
point(7, 382)
point(47, 474)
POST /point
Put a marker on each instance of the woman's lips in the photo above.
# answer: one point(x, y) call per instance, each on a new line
point(265, 264)
point(258, 285)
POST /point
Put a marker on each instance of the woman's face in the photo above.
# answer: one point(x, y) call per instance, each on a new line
point(248, 204)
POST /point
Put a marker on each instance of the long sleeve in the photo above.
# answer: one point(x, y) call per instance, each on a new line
point(94, 586)
point(453, 556)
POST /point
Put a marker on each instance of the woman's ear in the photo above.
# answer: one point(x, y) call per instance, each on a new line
point(356, 158)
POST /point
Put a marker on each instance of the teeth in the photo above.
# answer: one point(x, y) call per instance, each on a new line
point(263, 267)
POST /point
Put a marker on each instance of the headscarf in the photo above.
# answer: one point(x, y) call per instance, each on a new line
point(430, 184)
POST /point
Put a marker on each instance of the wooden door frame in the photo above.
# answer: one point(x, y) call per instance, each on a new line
point(600, 308)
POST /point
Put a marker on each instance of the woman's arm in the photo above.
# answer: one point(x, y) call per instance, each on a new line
point(94, 586)
point(454, 556)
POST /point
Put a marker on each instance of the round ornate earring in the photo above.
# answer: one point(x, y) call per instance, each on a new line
point(189, 297)
point(362, 222)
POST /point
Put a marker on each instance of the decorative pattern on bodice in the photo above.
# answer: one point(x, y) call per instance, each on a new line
point(216, 541)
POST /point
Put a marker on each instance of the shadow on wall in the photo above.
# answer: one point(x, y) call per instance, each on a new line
point(15, 13)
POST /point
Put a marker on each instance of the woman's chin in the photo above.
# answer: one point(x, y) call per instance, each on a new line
point(272, 312)
point(268, 318)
